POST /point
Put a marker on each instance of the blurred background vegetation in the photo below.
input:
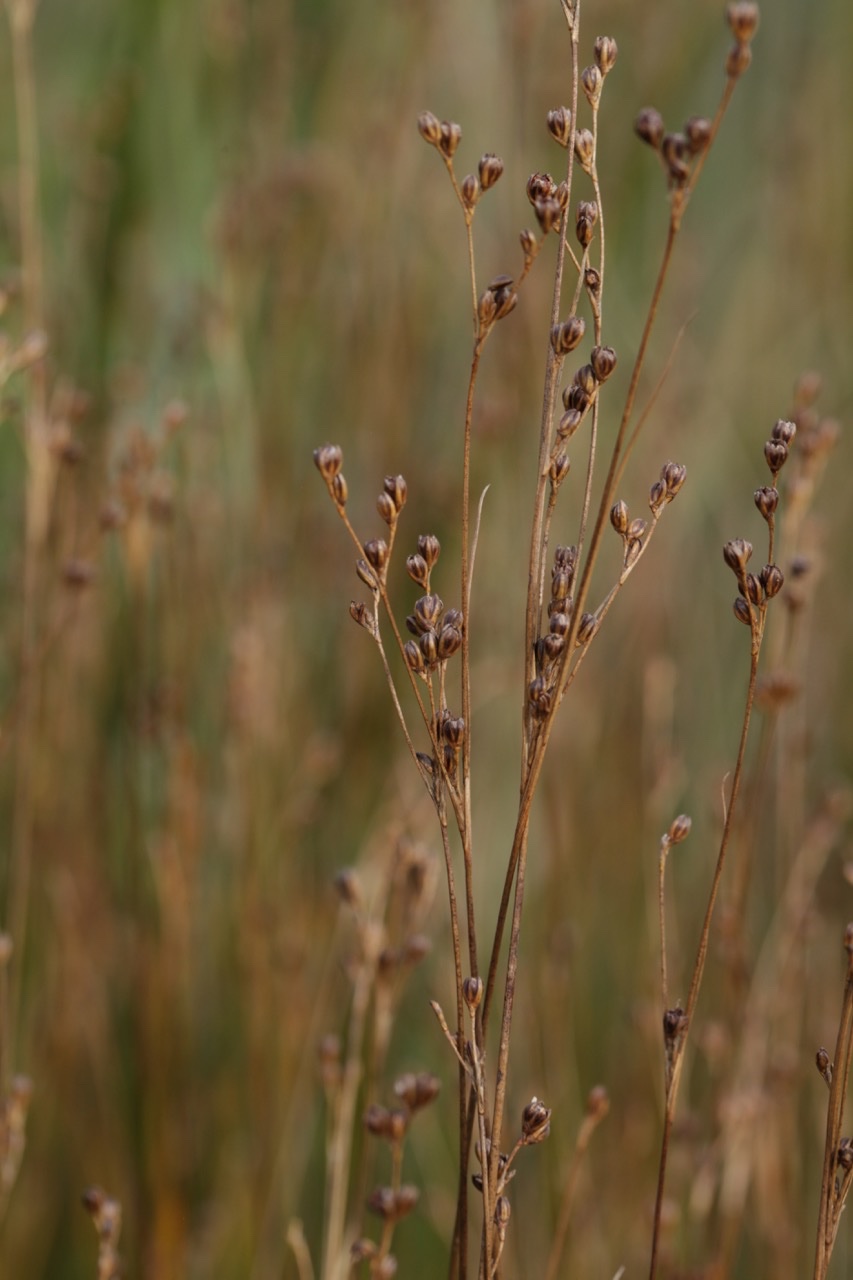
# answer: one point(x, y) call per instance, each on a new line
point(249, 251)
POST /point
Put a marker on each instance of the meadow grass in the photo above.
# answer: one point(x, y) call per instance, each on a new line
point(247, 250)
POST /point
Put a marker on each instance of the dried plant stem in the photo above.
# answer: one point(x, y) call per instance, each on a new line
point(589, 1124)
point(339, 1147)
point(553, 365)
point(299, 1249)
point(40, 469)
point(836, 1178)
point(675, 1067)
point(466, 829)
point(664, 980)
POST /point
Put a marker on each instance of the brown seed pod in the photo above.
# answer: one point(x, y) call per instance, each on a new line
point(649, 126)
point(386, 508)
point(742, 18)
point(603, 361)
point(679, 829)
point(451, 136)
point(429, 547)
point(540, 186)
point(736, 554)
point(490, 169)
point(698, 134)
point(606, 51)
point(470, 189)
point(673, 474)
point(738, 60)
point(591, 81)
point(584, 149)
point(559, 469)
point(416, 568)
point(340, 491)
point(548, 214)
point(775, 455)
point(619, 517)
point(472, 991)
point(566, 336)
point(742, 611)
point(529, 245)
point(328, 460)
point(535, 1122)
point(560, 125)
point(429, 127)
point(569, 424)
point(376, 552)
point(784, 431)
point(587, 628)
point(772, 579)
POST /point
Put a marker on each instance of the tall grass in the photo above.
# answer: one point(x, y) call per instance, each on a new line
point(236, 212)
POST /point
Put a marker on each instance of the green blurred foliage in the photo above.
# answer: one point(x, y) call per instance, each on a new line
point(238, 213)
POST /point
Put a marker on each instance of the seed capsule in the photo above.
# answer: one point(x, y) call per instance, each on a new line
point(416, 568)
point(449, 640)
point(340, 491)
point(451, 136)
point(490, 169)
point(429, 648)
point(470, 189)
point(698, 134)
point(328, 460)
point(560, 125)
point(742, 611)
point(559, 468)
point(366, 574)
point(548, 213)
point(736, 554)
point(742, 18)
point(619, 517)
point(776, 455)
point(472, 991)
point(587, 628)
point(584, 149)
point(540, 186)
point(673, 475)
point(772, 579)
point(386, 508)
point(566, 336)
point(376, 551)
point(429, 547)
point(503, 1210)
point(396, 488)
point(528, 243)
point(603, 361)
point(606, 51)
point(592, 80)
point(592, 280)
point(784, 431)
point(569, 424)
point(679, 829)
point(429, 128)
point(535, 1122)
point(428, 610)
point(553, 646)
point(414, 657)
point(767, 499)
point(649, 126)
point(738, 60)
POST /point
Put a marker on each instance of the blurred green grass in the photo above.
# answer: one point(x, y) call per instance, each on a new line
point(238, 211)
